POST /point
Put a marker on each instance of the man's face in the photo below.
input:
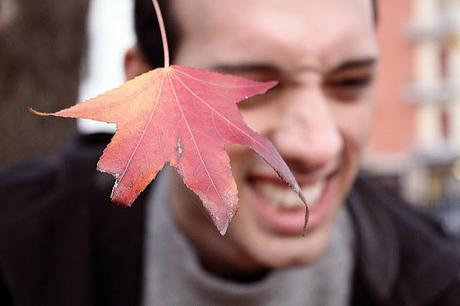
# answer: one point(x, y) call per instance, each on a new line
point(323, 54)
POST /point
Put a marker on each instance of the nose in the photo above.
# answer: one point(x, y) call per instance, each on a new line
point(307, 135)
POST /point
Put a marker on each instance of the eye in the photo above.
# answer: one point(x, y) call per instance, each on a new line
point(348, 87)
point(352, 83)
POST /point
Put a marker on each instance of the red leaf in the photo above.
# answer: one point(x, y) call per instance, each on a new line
point(183, 116)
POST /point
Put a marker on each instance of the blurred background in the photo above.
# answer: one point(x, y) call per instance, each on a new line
point(415, 144)
point(53, 53)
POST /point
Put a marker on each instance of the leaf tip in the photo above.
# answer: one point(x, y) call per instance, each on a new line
point(307, 212)
point(120, 198)
point(33, 111)
point(223, 229)
point(221, 224)
point(272, 84)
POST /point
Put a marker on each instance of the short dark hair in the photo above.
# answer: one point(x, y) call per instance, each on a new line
point(148, 32)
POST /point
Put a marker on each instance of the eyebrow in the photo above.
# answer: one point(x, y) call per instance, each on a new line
point(267, 68)
point(356, 64)
point(247, 67)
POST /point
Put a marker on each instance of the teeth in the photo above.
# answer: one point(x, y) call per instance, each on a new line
point(282, 197)
point(313, 192)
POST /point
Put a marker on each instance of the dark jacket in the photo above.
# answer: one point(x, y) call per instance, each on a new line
point(63, 243)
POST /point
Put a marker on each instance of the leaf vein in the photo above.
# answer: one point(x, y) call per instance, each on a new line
point(120, 178)
point(215, 84)
point(220, 115)
point(193, 139)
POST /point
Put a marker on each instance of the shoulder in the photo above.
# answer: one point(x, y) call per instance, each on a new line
point(32, 188)
point(26, 181)
point(390, 210)
point(405, 255)
point(42, 196)
point(59, 232)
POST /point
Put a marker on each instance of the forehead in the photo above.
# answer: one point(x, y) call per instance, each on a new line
point(312, 32)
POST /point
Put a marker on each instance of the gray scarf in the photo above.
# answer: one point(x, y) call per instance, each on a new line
point(173, 275)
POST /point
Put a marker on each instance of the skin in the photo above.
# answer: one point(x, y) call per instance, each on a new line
point(324, 55)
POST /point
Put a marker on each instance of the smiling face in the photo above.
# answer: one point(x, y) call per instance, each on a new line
point(323, 53)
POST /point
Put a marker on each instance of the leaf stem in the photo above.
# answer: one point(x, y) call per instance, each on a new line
point(163, 32)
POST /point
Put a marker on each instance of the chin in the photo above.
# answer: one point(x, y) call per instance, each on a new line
point(270, 251)
point(271, 237)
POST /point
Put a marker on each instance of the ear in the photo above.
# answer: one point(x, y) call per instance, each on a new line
point(135, 63)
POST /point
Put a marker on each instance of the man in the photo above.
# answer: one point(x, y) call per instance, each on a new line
point(61, 243)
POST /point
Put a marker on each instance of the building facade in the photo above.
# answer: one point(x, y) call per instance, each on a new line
point(415, 144)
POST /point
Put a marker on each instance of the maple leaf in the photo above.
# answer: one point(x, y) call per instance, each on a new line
point(183, 116)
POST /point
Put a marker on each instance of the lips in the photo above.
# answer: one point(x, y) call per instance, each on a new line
point(279, 210)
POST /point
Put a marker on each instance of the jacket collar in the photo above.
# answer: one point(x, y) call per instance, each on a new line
point(119, 238)
point(403, 257)
point(377, 244)
point(120, 233)
point(117, 233)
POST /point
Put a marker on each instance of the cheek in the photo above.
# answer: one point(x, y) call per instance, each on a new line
point(241, 159)
point(354, 123)
point(261, 118)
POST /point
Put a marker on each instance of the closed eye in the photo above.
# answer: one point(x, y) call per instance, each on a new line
point(348, 87)
point(350, 80)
